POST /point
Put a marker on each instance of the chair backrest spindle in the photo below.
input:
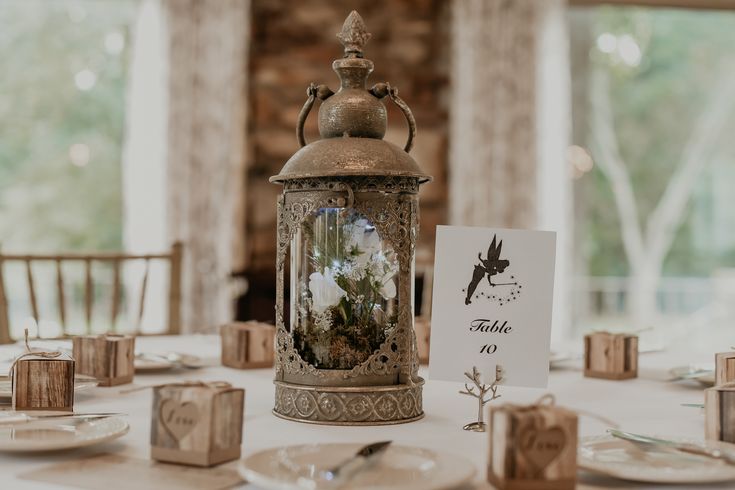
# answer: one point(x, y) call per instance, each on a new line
point(143, 288)
point(32, 290)
point(174, 289)
point(4, 316)
point(115, 293)
point(88, 293)
point(60, 296)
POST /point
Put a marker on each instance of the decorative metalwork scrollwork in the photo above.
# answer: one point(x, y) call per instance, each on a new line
point(388, 184)
point(338, 406)
point(394, 216)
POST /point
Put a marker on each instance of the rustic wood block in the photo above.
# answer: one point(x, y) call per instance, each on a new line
point(248, 345)
point(109, 358)
point(719, 408)
point(43, 383)
point(610, 356)
point(196, 423)
point(532, 447)
point(422, 326)
point(724, 368)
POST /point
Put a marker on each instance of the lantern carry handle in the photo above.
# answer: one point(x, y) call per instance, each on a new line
point(380, 90)
point(322, 92)
point(344, 187)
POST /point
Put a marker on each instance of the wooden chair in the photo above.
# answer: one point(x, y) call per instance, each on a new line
point(174, 257)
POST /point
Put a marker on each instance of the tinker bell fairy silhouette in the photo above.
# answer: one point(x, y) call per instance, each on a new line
point(490, 266)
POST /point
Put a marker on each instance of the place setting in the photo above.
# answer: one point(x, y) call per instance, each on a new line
point(379, 465)
point(43, 431)
point(153, 362)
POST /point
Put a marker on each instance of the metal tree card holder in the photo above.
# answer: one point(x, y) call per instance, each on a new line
point(348, 215)
point(482, 390)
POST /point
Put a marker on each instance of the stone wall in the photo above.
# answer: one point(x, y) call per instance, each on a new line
point(293, 44)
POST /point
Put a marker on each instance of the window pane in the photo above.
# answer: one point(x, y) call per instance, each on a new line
point(654, 99)
point(62, 99)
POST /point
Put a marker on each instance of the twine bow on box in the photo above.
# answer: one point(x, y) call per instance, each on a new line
point(31, 353)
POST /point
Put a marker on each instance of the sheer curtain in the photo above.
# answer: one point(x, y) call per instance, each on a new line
point(186, 145)
point(510, 120)
point(206, 148)
point(144, 170)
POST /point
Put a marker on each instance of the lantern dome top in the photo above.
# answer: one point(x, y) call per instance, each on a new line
point(352, 122)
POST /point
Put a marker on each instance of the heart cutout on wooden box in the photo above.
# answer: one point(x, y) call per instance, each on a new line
point(179, 418)
point(542, 446)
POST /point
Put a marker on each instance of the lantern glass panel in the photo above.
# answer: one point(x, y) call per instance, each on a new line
point(345, 277)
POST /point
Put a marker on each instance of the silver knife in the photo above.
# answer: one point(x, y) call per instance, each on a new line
point(684, 447)
point(361, 460)
point(13, 419)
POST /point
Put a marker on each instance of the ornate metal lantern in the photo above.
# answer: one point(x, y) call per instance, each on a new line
point(346, 348)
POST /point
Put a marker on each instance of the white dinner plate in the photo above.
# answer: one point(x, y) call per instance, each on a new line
point(702, 373)
point(146, 365)
point(556, 358)
point(55, 435)
point(155, 363)
point(81, 383)
point(401, 467)
point(614, 457)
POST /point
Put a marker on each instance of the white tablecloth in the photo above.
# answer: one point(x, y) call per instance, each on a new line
point(647, 404)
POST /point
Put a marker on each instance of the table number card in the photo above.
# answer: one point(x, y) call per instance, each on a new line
point(493, 293)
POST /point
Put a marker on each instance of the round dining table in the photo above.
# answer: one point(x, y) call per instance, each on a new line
point(650, 404)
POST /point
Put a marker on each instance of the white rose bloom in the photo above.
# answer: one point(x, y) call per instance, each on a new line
point(357, 232)
point(366, 241)
point(325, 292)
point(388, 291)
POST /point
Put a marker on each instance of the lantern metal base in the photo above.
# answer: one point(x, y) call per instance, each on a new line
point(353, 405)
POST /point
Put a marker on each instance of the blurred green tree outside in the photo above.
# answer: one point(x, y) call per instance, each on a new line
point(62, 104)
point(663, 66)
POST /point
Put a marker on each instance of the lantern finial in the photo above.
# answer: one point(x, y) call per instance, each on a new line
point(354, 35)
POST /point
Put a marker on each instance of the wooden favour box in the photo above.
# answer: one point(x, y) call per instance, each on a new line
point(109, 358)
point(43, 382)
point(196, 423)
point(719, 408)
point(610, 356)
point(248, 345)
point(532, 447)
point(724, 368)
point(423, 333)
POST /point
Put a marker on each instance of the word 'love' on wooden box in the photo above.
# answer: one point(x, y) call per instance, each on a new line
point(43, 381)
point(422, 326)
point(532, 447)
point(610, 356)
point(197, 423)
point(724, 368)
point(719, 409)
point(248, 345)
point(109, 358)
